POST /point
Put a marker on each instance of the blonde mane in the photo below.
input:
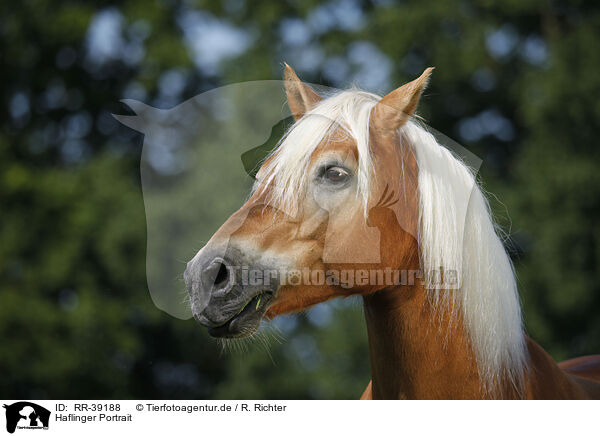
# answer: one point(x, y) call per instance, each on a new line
point(457, 231)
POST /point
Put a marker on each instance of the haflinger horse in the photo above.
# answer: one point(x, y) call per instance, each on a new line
point(358, 184)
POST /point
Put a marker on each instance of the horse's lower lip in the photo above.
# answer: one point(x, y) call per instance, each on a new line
point(255, 305)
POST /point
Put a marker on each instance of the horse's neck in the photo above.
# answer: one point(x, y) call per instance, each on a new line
point(416, 352)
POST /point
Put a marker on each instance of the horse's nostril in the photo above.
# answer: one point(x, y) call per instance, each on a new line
point(222, 275)
point(215, 276)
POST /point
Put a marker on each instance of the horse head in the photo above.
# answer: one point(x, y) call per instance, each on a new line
point(322, 210)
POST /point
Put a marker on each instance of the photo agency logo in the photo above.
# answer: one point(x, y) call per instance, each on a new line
point(200, 164)
point(25, 415)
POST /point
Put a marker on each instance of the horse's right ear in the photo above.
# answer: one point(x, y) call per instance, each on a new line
point(301, 97)
point(398, 106)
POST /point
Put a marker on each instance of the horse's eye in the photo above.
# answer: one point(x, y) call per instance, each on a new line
point(336, 175)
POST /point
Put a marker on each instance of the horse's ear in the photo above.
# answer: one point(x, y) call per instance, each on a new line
point(301, 97)
point(398, 106)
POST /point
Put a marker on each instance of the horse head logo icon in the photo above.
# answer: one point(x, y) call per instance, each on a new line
point(25, 414)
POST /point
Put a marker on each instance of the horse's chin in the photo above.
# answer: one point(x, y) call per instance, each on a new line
point(245, 322)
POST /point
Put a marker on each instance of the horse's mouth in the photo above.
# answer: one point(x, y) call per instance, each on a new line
point(247, 320)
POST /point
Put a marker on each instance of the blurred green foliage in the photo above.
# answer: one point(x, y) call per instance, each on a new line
point(516, 82)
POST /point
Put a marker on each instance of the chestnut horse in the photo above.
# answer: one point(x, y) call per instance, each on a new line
point(359, 199)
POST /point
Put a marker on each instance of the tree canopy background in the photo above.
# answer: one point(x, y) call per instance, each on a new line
point(516, 82)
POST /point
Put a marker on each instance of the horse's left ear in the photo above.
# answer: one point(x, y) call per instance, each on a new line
point(398, 106)
point(301, 97)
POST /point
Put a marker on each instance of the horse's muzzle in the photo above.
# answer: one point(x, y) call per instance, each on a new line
point(228, 292)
